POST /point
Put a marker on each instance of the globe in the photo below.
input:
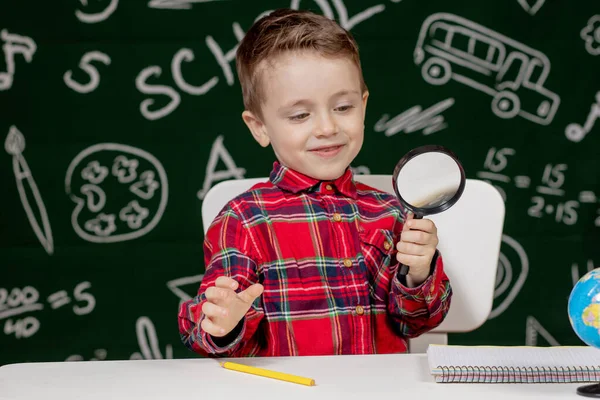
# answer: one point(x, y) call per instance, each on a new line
point(584, 315)
point(584, 308)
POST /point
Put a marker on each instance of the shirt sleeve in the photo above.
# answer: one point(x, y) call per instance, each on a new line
point(419, 309)
point(227, 252)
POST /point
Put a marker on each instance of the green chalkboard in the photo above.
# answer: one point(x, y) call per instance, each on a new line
point(118, 116)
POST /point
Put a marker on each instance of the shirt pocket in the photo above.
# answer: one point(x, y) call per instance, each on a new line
point(378, 247)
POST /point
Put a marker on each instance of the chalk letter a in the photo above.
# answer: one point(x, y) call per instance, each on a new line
point(217, 151)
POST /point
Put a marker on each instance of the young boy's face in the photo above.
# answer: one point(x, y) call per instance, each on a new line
point(313, 113)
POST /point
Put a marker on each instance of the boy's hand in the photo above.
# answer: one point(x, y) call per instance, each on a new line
point(417, 247)
point(224, 308)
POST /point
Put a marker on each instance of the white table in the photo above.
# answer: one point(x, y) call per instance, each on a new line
point(338, 377)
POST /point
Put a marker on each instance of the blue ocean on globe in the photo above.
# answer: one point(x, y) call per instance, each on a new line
point(584, 308)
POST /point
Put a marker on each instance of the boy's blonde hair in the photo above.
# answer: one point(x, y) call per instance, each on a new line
point(286, 30)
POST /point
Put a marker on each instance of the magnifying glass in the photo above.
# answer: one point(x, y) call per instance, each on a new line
point(428, 180)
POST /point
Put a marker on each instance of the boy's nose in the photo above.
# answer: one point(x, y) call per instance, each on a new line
point(326, 126)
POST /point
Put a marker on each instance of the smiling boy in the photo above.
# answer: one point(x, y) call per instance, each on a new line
point(306, 263)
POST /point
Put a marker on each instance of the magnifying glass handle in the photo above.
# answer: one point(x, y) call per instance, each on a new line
point(403, 269)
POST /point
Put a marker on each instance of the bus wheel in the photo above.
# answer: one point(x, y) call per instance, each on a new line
point(436, 71)
point(506, 104)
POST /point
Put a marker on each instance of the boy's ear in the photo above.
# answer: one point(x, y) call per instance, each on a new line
point(365, 96)
point(256, 126)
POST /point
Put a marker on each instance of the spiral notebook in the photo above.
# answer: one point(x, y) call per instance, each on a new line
point(514, 364)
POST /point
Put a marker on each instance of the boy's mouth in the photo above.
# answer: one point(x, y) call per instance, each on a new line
point(327, 151)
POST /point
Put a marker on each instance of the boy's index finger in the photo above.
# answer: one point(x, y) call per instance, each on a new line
point(226, 282)
point(407, 223)
point(425, 225)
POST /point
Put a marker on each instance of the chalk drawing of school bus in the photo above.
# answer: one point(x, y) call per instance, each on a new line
point(452, 47)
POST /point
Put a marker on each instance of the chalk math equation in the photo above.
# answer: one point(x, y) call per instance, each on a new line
point(550, 200)
point(19, 304)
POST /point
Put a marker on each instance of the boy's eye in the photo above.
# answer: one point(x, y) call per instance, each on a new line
point(299, 117)
point(344, 108)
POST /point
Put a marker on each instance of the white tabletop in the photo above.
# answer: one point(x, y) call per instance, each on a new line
point(338, 377)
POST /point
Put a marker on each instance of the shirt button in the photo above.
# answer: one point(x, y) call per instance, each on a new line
point(347, 262)
point(387, 245)
point(359, 310)
point(337, 217)
point(329, 187)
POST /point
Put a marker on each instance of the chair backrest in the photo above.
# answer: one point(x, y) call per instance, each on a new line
point(470, 235)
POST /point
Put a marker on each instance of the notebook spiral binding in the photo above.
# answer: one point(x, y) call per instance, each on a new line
point(459, 374)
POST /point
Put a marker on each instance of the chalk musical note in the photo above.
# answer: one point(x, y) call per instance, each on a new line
point(575, 132)
point(14, 145)
point(14, 44)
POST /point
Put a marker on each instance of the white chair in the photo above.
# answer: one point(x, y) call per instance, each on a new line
point(470, 234)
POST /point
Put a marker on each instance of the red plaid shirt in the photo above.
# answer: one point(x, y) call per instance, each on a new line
point(325, 254)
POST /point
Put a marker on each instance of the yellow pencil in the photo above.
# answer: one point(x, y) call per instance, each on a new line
point(268, 374)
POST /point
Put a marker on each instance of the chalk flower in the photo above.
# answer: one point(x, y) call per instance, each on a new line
point(591, 35)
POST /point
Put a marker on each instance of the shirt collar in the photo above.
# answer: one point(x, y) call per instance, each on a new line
point(295, 182)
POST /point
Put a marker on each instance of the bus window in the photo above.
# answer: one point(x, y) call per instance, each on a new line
point(460, 41)
point(480, 49)
point(439, 32)
point(493, 55)
point(535, 73)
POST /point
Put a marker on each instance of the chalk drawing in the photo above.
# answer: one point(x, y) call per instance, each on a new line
point(101, 226)
point(36, 212)
point(94, 172)
point(85, 65)
point(175, 286)
point(148, 342)
point(188, 55)
point(176, 4)
point(124, 169)
point(591, 35)
point(512, 73)
point(496, 162)
point(14, 44)
point(80, 295)
point(61, 298)
point(134, 214)
point(575, 132)
point(145, 88)
point(510, 277)
point(224, 59)
point(143, 192)
point(95, 197)
point(531, 6)
point(92, 18)
point(19, 301)
point(349, 23)
point(533, 329)
point(146, 186)
point(415, 119)
point(217, 151)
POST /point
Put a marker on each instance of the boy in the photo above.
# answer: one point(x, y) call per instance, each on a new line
point(306, 263)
